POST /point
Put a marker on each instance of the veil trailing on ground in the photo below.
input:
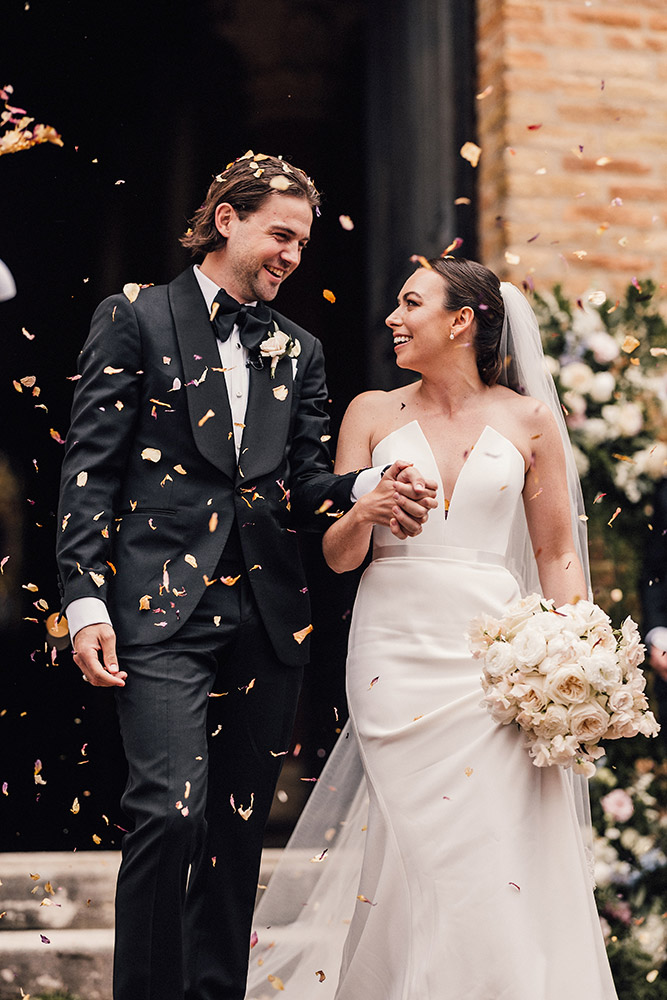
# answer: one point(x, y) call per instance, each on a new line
point(302, 919)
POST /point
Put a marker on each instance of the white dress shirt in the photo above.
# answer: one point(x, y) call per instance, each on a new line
point(233, 357)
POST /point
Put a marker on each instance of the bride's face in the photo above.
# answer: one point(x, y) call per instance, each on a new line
point(420, 324)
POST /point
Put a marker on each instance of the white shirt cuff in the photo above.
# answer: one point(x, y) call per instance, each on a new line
point(366, 481)
point(657, 637)
point(86, 611)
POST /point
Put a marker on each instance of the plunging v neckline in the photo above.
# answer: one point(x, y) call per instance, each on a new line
point(487, 427)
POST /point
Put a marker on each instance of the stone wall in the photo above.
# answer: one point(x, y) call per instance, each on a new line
point(572, 122)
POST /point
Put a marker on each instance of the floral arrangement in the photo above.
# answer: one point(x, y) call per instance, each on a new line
point(629, 807)
point(565, 676)
point(609, 362)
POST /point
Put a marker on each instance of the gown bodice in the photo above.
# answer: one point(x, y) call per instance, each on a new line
point(483, 503)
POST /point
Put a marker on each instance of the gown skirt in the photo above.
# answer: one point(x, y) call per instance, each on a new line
point(474, 880)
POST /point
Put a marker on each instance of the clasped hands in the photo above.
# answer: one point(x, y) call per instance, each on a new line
point(402, 500)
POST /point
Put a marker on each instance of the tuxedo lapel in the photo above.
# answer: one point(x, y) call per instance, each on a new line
point(204, 380)
point(267, 419)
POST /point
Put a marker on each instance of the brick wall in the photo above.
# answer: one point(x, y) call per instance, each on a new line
point(581, 199)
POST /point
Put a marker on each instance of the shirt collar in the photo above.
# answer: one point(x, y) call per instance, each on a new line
point(209, 289)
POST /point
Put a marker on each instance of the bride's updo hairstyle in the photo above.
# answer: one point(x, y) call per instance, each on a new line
point(468, 283)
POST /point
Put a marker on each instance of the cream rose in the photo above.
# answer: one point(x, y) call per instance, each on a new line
point(568, 685)
point(589, 722)
point(554, 722)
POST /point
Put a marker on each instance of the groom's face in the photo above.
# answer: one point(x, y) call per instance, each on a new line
point(263, 249)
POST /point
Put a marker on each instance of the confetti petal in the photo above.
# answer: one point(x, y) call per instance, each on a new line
point(302, 633)
point(471, 151)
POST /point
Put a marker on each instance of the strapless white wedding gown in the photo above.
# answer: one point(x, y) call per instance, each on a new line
point(474, 883)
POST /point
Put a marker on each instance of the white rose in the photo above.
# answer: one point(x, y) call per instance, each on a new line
point(547, 624)
point(601, 670)
point(568, 685)
point(589, 721)
point(602, 387)
point(595, 430)
point(621, 700)
point(499, 659)
point(520, 611)
point(626, 418)
point(529, 647)
point(577, 376)
point(603, 347)
point(591, 613)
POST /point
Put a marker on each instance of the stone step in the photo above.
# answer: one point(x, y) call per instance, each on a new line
point(59, 889)
point(76, 962)
point(66, 946)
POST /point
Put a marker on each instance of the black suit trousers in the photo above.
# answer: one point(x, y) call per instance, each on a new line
point(204, 718)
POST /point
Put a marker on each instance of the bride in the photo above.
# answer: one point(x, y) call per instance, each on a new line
point(434, 861)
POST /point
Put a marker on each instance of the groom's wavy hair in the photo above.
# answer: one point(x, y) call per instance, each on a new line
point(245, 184)
point(468, 283)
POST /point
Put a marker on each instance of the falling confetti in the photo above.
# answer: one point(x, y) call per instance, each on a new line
point(614, 516)
point(471, 151)
point(302, 633)
point(346, 222)
point(329, 295)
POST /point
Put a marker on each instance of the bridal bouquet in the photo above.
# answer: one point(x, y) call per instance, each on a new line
point(565, 676)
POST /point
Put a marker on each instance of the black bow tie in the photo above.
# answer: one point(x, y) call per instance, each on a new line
point(253, 321)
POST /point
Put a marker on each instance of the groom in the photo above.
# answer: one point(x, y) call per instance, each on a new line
point(197, 446)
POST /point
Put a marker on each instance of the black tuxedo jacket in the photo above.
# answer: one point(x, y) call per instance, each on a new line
point(151, 484)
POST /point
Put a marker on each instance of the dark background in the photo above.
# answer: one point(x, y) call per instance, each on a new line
point(151, 100)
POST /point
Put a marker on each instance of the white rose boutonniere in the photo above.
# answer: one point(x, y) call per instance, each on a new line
point(277, 346)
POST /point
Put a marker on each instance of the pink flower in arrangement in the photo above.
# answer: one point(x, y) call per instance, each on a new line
point(618, 805)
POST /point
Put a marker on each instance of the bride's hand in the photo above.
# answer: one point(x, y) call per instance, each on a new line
point(411, 497)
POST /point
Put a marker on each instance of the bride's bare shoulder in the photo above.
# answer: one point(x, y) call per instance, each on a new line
point(369, 407)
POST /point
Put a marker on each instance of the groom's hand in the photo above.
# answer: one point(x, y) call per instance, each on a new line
point(95, 656)
point(414, 497)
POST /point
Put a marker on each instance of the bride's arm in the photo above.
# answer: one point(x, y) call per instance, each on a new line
point(346, 542)
point(547, 509)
